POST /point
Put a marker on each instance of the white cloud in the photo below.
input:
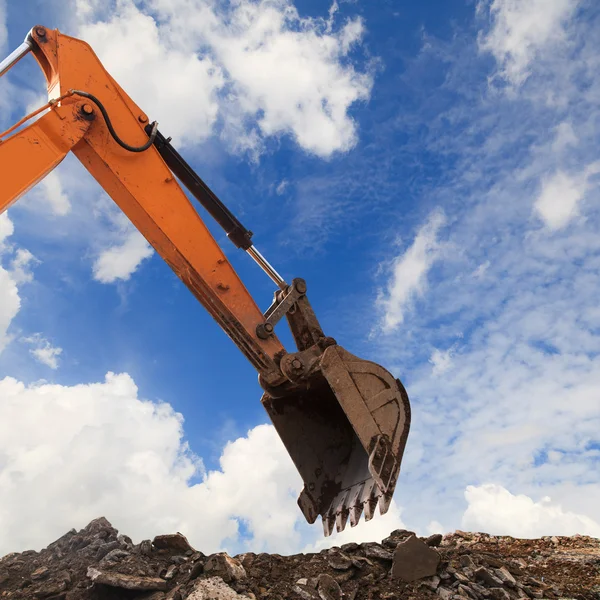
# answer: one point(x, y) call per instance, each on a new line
point(281, 187)
point(21, 266)
point(3, 29)
point(558, 199)
point(44, 351)
point(560, 196)
point(520, 31)
point(263, 68)
point(435, 527)
point(441, 361)
point(409, 272)
point(175, 87)
point(518, 303)
point(120, 247)
point(120, 261)
point(54, 194)
point(565, 137)
point(493, 509)
point(11, 278)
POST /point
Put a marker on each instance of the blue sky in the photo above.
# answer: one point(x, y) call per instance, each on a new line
point(429, 168)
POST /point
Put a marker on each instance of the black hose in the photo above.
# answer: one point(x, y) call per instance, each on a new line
point(111, 129)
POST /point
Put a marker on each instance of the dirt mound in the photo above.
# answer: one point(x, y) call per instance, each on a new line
point(97, 563)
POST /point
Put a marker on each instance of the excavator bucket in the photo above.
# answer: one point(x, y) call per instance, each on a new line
point(346, 431)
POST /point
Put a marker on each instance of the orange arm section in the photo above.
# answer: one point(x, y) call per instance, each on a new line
point(143, 187)
point(29, 155)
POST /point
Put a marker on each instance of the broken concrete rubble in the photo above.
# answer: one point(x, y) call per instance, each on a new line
point(126, 582)
point(222, 565)
point(213, 588)
point(467, 566)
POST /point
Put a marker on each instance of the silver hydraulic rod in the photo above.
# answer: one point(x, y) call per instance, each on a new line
point(263, 263)
point(14, 57)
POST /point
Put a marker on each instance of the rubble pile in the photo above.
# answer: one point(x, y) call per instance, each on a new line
point(97, 563)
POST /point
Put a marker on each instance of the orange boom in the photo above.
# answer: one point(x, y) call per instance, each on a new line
point(343, 420)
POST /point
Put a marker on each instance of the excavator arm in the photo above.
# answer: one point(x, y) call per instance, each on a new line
point(343, 420)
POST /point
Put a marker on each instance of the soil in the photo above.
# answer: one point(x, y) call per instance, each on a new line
point(97, 563)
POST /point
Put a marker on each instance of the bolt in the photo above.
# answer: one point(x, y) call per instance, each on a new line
point(268, 328)
point(143, 118)
point(168, 179)
point(301, 286)
point(40, 32)
point(86, 109)
point(297, 363)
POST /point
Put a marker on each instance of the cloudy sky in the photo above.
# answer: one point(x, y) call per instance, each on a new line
point(430, 168)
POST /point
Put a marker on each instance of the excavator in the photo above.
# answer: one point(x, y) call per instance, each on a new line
point(344, 421)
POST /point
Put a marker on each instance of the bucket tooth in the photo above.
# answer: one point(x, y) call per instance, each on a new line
point(341, 519)
point(328, 524)
point(370, 500)
point(340, 508)
point(384, 503)
point(355, 504)
point(355, 513)
point(308, 506)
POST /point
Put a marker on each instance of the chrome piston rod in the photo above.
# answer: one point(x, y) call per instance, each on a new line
point(14, 57)
point(264, 264)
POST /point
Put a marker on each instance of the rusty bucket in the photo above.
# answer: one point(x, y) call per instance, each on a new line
point(345, 430)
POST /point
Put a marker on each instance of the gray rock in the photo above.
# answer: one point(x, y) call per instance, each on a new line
point(126, 582)
point(350, 547)
point(328, 588)
point(431, 583)
point(174, 541)
point(414, 559)
point(360, 562)
point(146, 547)
point(113, 556)
point(196, 570)
point(225, 567)
point(478, 589)
point(497, 593)
point(99, 525)
point(171, 572)
point(339, 561)
point(467, 592)
point(104, 549)
point(466, 561)
point(506, 578)
point(344, 576)
point(125, 541)
point(376, 551)
point(483, 574)
point(434, 540)
point(444, 593)
point(306, 592)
